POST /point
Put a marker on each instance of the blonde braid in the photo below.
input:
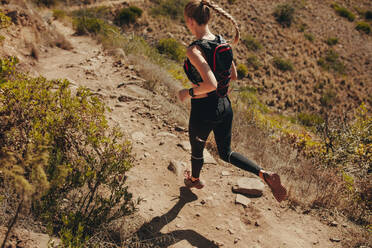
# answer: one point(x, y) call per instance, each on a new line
point(226, 15)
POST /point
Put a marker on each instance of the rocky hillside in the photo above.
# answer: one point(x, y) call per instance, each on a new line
point(303, 44)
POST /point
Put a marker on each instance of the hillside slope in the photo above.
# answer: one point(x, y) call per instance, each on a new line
point(170, 215)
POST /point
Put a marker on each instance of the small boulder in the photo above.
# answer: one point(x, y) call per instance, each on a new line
point(252, 187)
point(241, 199)
point(177, 167)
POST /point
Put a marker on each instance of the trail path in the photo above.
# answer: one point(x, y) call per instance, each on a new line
point(201, 218)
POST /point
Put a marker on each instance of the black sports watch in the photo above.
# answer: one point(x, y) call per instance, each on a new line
point(191, 92)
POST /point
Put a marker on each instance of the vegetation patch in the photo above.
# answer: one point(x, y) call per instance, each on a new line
point(363, 27)
point(101, 12)
point(331, 41)
point(172, 48)
point(251, 43)
point(344, 12)
point(68, 156)
point(309, 36)
point(59, 14)
point(242, 71)
point(331, 62)
point(5, 20)
point(169, 8)
point(368, 15)
point(284, 14)
point(128, 15)
point(253, 62)
point(283, 64)
point(310, 120)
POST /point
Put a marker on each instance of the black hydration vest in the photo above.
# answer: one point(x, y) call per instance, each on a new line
point(219, 56)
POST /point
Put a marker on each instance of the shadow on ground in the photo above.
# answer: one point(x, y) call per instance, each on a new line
point(149, 235)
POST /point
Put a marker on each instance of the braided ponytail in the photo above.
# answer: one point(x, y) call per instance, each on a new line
point(226, 15)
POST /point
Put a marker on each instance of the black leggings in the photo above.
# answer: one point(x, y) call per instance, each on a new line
point(214, 114)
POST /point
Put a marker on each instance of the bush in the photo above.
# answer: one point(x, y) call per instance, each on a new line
point(72, 155)
point(172, 48)
point(128, 15)
point(231, 1)
point(252, 61)
point(251, 43)
point(309, 36)
point(342, 11)
point(242, 71)
point(86, 25)
point(5, 20)
point(364, 27)
point(283, 64)
point(284, 14)
point(310, 120)
point(47, 3)
point(331, 41)
point(101, 12)
point(170, 8)
point(368, 15)
point(59, 14)
point(331, 62)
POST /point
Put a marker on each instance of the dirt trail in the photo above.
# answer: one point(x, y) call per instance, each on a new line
point(200, 218)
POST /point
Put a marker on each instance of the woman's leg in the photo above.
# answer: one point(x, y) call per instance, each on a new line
point(222, 133)
point(198, 135)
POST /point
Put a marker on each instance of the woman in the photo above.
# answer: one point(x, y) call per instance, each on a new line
point(210, 105)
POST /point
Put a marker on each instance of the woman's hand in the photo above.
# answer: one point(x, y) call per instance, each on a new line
point(183, 95)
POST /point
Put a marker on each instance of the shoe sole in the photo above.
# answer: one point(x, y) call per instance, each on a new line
point(278, 190)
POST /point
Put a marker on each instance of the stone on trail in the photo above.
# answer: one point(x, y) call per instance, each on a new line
point(166, 134)
point(176, 167)
point(241, 199)
point(252, 187)
point(138, 136)
point(185, 145)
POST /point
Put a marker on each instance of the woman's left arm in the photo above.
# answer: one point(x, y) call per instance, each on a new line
point(209, 83)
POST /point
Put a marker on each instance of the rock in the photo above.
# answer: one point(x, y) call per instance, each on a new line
point(231, 231)
point(166, 134)
point(180, 129)
point(236, 240)
point(249, 186)
point(256, 223)
point(185, 145)
point(333, 223)
point(335, 240)
point(138, 136)
point(225, 173)
point(241, 199)
point(176, 166)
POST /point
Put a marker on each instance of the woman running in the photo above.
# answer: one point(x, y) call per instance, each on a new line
point(210, 106)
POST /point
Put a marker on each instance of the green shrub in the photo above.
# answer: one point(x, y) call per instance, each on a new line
point(310, 120)
point(284, 14)
point(84, 156)
point(242, 71)
point(5, 20)
point(342, 11)
point(252, 61)
point(331, 62)
point(331, 41)
point(302, 27)
point(368, 15)
point(327, 99)
point(86, 25)
point(309, 36)
point(283, 64)
point(364, 27)
point(59, 14)
point(172, 48)
point(128, 15)
point(251, 43)
point(170, 8)
point(101, 12)
point(231, 1)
